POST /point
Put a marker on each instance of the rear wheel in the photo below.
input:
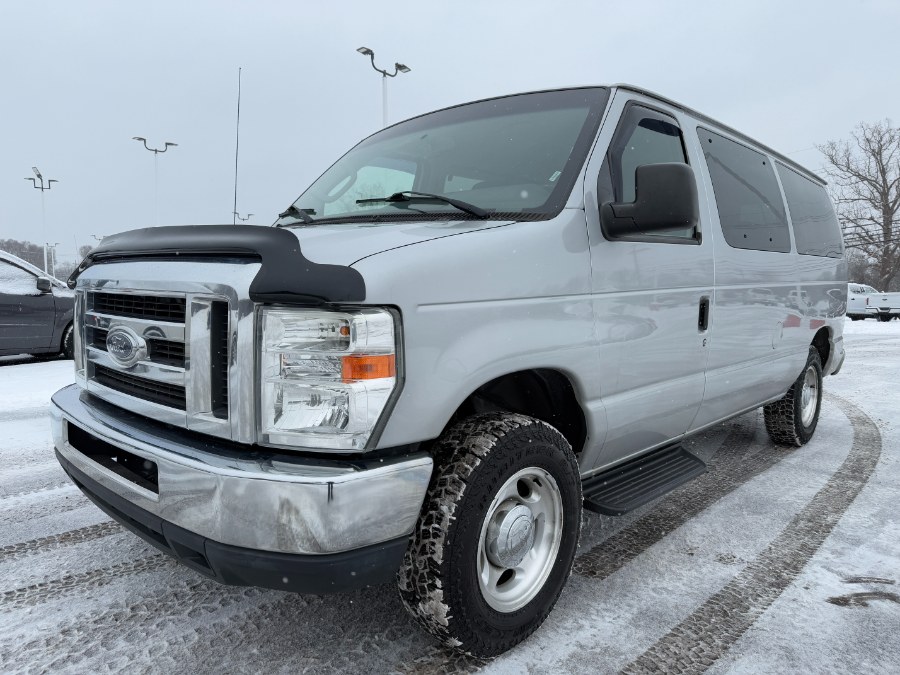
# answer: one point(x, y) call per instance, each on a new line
point(884, 317)
point(792, 420)
point(497, 535)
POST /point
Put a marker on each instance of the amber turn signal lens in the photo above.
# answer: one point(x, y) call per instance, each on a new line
point(368, 367)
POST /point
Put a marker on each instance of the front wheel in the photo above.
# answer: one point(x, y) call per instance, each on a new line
point(497, 535)
point(68, 343)
point(792, 420)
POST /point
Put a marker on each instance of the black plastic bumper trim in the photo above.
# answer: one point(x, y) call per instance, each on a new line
point(299, 573)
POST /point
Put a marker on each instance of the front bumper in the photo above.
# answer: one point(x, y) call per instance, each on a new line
point(212, 503)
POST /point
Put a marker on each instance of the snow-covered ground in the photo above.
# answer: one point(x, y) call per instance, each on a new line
point(774, 561)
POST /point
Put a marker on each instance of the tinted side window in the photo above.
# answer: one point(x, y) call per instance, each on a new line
point(816, 228)
point(644, 136)
point(750, 207)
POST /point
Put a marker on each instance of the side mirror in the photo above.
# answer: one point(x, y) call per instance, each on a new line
point(665, 198)
point(44, 285)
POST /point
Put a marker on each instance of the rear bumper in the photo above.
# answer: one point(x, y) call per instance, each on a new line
point(240, 513)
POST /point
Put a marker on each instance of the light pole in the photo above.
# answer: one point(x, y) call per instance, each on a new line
point(398, 68)
point(42, 188)
point(156, 152)
point(52, 247)
point(238, 216)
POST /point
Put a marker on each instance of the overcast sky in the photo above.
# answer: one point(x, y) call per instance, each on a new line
point(79, 79)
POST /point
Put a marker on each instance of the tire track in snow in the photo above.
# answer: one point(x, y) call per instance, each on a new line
point(68, 486)
point(710, 631)
point(46, 591)
point(738, 460)
point(82, 534)
point(31, 477)
point(126, 624)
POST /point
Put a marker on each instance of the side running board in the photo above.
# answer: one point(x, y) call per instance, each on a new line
point(628, 486)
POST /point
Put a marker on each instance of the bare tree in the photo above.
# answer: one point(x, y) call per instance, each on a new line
point(865, 184)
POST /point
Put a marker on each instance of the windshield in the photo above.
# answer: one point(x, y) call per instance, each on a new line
point(516, 157)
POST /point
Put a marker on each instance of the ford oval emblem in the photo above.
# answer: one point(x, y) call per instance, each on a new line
point(125, 347)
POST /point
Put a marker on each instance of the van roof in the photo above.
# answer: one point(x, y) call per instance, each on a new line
point(706, 118)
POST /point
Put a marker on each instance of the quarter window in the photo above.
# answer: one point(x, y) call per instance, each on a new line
point(750, 207)
point(816, 228)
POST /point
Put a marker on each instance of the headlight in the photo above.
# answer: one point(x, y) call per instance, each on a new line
point(326, 377)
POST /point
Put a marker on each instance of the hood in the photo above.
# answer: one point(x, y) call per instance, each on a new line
point(348, 243)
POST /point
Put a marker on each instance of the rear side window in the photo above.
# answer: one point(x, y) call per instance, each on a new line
point(816, 228)
point(750, 207)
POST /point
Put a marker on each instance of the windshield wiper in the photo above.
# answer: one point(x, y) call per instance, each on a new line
point(293, 212)
point(409, 195)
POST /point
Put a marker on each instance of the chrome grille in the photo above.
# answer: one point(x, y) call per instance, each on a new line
point(179, 353)
point(194, 325)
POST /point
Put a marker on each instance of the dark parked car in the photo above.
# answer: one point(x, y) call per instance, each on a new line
point(35, 310)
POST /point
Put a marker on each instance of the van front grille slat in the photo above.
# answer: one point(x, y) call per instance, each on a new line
point(169, 395)
point(164, 351)
point(218, 335)
point(153, 307)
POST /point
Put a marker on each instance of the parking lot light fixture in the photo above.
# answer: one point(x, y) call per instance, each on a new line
point(398, 68)
point(43, 188)
point(156, 153)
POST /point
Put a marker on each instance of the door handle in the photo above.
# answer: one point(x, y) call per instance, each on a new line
point(703, 319)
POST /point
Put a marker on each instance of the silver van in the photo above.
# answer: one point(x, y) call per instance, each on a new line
point(475, 323)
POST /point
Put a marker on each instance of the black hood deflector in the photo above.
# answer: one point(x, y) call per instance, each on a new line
point(285, 275)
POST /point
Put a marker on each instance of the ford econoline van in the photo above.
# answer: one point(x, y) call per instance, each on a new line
point(472, 325)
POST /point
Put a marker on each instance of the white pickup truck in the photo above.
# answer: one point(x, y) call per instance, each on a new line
point(864, 301)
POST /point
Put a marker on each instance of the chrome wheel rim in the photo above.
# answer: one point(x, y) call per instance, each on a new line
point(809, 396)
point(520, 538)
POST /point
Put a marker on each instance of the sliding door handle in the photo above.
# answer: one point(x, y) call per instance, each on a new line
point(703, 319)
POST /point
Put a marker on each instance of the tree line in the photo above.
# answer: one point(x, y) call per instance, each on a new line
point(34, 253)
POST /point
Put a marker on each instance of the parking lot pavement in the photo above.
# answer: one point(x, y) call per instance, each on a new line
point(776, 560)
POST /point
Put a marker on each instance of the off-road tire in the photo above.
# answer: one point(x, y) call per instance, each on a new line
point(438, 579)
point(67, 344)
point(784, 419)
